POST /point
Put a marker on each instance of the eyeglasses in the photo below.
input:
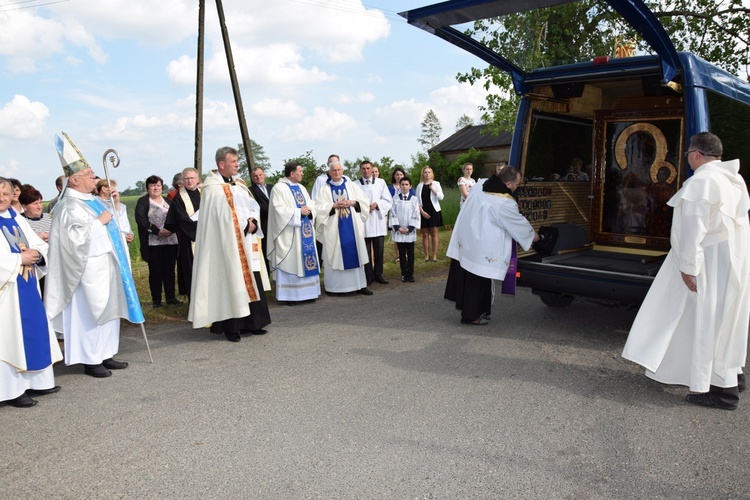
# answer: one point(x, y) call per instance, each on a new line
point(687, 153)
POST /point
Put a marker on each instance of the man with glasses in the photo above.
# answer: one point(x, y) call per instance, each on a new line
point(182, 219)
point(90, 285)
point(692, 327)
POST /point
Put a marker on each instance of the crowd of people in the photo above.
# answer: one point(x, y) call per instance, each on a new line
point(230, 238)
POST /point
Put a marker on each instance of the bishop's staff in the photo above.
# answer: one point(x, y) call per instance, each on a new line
point(114, 159)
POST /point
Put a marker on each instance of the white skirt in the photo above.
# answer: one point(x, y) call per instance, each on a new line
point(338, 281)
point(14, 383)
point(291, 288)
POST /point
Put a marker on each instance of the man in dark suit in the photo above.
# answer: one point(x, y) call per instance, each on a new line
point(261, 192)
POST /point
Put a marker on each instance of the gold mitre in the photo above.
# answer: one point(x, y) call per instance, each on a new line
point(70, 156)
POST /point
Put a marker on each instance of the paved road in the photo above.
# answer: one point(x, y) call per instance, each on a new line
point(378, 397)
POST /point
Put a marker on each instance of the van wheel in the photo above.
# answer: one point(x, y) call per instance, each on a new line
point(555, 299)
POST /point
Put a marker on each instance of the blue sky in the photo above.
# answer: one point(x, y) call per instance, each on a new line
point(322, 75)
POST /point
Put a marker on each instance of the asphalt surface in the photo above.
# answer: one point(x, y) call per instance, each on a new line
point(385, 396)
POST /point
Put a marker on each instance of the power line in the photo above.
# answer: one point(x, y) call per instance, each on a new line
point(29, 6)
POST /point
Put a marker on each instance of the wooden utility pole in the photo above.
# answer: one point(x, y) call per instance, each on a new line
point(235, 88)
point(198, 157)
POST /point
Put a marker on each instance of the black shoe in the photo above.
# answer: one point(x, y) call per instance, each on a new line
point(741, 384)
point(259, 331)
point(479, 321)
point(114, 365)
point(709, 401)
point(42, 392)
point(364, 291)
point(97, 371)
point(381, 280)
point(403, 279)
point(232, 337)
point(410, 279)
point(174, 302)
point(22, 401)
point(156, 305)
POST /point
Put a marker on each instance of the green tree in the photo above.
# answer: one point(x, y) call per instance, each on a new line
point(260, 159)
point(464, 121)
point(431, 130)
point(717, 31)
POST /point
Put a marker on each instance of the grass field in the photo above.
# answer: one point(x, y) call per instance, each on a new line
point(391, 269)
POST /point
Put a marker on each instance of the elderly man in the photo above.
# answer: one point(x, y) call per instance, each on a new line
point(89, 285)
point(291, 241)
point(692, 327)
point(229, 275)
point(262, 193)
point(182, 219)
point(376, 225)
point(342, 209)
point(487, 228)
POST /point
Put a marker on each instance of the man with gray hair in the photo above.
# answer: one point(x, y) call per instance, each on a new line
point(182, 219)
point(692, 327)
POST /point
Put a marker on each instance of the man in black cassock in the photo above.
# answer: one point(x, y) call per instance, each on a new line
point(182, 219)
point(261, 192)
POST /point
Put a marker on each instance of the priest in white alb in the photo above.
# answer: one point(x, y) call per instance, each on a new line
point(342, 209)
point(291, 239)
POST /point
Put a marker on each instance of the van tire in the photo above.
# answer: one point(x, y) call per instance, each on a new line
point(555, 299)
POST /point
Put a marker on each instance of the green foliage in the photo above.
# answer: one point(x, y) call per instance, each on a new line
point(450, 204)
point(463, 122)
point(260, 159)
point(717, 31)
point(431, 130)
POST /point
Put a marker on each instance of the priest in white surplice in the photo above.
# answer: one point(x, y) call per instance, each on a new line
point(341, 210)
point(376, 225)
point(291, 239)
point(481, 247)
point(229, 272)
point(90, 285)
point(692, 327)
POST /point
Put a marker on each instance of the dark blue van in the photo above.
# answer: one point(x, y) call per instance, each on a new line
point(625, 122)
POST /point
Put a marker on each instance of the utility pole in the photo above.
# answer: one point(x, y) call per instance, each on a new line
point(235, 88)
point(198, 157)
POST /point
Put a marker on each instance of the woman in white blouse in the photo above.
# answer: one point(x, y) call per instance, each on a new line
point(429, 194)
point(466, 182)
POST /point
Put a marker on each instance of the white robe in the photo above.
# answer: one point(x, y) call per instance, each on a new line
point(223, 284)
point(284, 248)
point(14, 377)
point(484, 232)
point(336, 278)
point(377, 192)
point(405, 213)
point(84, 294)
point(700, 339)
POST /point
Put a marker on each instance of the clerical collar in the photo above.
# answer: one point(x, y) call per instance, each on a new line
point(7, 214)
point(227, 179)
point(336, 183)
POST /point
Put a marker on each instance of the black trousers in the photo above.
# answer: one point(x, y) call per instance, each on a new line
point(406, 258)
point(161, 263)
point(375, 254)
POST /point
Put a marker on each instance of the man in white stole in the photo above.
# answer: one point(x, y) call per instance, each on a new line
point(90, 285)
point(28, 347)
point(692, 327)
point(291, 239)
point(342, 209)
point(229, 274)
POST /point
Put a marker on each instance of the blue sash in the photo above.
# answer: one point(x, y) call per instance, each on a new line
point(347, 238)
point(34, 326)
point(135, 314)
point(309, 252)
